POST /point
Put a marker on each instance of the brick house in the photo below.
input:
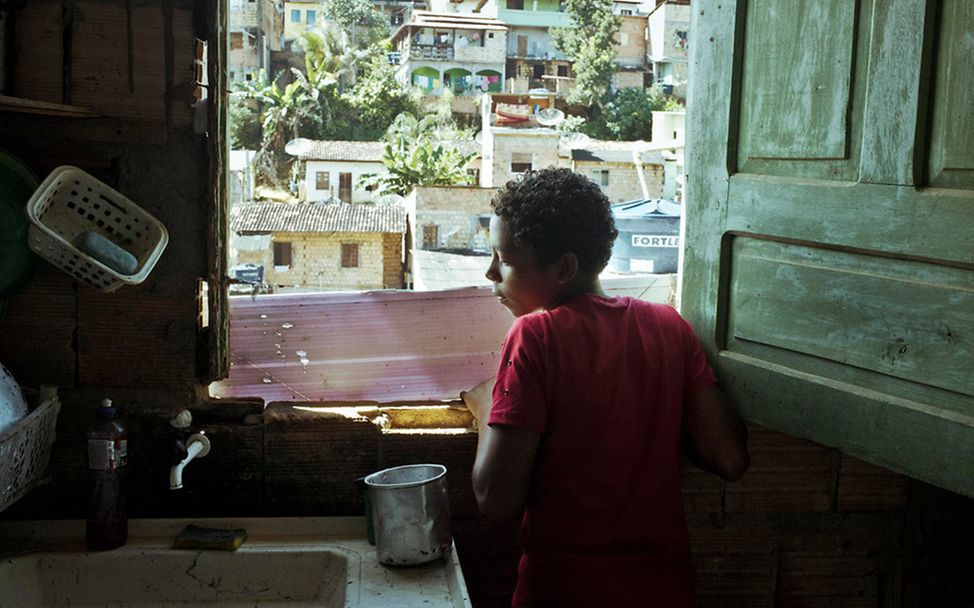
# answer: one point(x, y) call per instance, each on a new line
point(256, 30)
point(323, 246)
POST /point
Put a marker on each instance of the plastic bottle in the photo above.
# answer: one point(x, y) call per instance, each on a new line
point(107, 526)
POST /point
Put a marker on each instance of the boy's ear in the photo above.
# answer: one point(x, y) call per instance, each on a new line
point(567, 268)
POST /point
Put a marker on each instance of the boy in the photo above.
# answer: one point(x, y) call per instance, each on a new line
point(597, 400)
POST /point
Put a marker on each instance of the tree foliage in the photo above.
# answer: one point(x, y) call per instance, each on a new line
point(628, 115)
point(414, 155)
point(365, 25)
point(343, 93)
point(590, 45)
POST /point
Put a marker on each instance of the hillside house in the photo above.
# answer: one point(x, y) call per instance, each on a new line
point(321, 246)
point(256, 30)
point(631, 47)
point(299, 16)
point(333, 170)
point(669, 44)
point(465, 53)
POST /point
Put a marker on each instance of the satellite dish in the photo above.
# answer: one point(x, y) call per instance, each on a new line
point(299, 146)
point(574, 141)
point(479, 138)
point(550, 117)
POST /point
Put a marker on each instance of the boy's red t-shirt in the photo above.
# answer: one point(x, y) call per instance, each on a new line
point(603, 380)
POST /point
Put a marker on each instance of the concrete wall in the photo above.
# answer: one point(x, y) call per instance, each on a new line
point(631, 41)
point(540, 144)
point(623, 179)
point(454, 210)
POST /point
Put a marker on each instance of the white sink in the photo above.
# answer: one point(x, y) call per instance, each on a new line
point(285, 562)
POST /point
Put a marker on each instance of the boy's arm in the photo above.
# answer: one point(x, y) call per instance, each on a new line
point(504, 460)
point(714, 435)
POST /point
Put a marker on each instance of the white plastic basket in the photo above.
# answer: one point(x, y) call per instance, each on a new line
point(25, 450)
point(70, 202)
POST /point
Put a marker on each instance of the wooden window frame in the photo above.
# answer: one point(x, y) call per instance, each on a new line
point(319, 181)
point(350, 255)
point(283, 254)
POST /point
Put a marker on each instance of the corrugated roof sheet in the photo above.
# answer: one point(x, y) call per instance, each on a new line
point(368, 151)
point(385, 346)
point(317, 217)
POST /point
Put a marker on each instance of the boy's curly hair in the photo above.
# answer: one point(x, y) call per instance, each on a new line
point(555, 211)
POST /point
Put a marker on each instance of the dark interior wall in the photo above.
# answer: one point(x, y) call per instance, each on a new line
point(805, 527)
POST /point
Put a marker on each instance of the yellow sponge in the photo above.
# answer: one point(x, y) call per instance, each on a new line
point(197, 537)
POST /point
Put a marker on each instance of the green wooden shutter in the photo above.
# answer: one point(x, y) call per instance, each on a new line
point(829, 262)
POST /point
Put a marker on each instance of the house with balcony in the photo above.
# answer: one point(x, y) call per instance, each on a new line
point(533, 62)
point(465, 53)
point(396, 12)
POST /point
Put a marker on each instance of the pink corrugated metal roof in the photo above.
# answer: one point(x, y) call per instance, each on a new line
point(376, 346)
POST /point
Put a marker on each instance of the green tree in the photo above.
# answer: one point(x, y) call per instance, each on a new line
point(364, 25)
point(590, 45)
point(415, 157)
point(243, 125)
point(629, 113)
point(378, 98)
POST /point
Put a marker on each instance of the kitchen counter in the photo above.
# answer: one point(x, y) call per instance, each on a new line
point(284, 562)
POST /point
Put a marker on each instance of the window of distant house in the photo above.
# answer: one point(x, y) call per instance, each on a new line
point(282, 254)
point(322, 180)
point(295, 16)
point(431, 236)
point(236, 40)
point(601, 177)
point(310, 18)
point(520, 162)
point(349, 255)
point(563, 71)
point(626, 12)
point(623, 38)
point(515, 4)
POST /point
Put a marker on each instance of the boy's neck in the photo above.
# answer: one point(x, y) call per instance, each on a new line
point(584, 285)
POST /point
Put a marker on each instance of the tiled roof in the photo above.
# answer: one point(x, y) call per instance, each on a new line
point(455, 20)
point(367, 151)
point(317, 217)
point(344, 150)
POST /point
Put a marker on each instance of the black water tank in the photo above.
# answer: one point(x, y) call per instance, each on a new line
point(649, 236)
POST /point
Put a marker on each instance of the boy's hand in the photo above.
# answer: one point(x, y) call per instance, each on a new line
point(480, 399)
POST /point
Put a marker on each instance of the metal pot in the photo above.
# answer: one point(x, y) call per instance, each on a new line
point(410, 513)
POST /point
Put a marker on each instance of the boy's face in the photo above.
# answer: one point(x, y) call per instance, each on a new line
point(520, 283)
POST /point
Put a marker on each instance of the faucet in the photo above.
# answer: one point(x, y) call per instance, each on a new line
point(197, 446)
